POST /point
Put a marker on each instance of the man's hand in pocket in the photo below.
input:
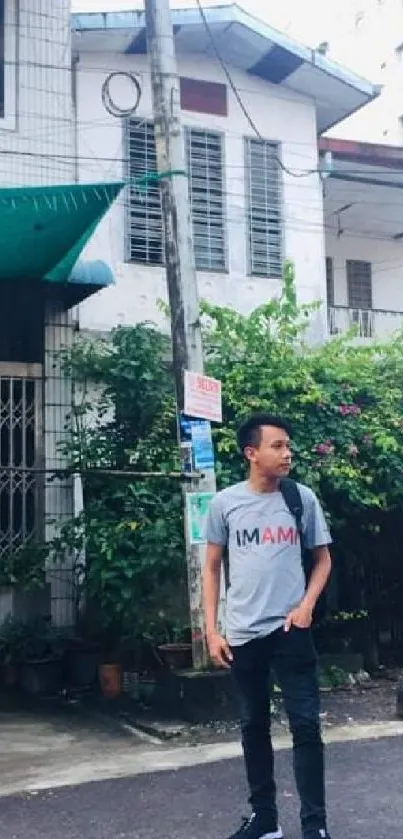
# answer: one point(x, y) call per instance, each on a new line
point(301, 617)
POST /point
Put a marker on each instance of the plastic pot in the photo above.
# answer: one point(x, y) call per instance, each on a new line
point(81, 664)
point(176, 656)
point(41, 677)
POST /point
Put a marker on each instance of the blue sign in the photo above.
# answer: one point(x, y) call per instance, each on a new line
point(202, 445)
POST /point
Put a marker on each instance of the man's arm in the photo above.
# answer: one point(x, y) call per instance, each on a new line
point(320, 575)
point(316, 539)
point(301, 617)
point(218, 648)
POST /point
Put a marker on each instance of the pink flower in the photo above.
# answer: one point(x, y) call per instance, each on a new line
point(353, 450)
point(349, 410)
point(324, 448)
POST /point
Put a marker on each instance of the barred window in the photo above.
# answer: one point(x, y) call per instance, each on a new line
point(205, 166)
point(359, 284)
point(264, 211)
point(144, 233)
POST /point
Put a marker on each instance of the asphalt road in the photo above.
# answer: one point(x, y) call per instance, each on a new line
point(365, 784)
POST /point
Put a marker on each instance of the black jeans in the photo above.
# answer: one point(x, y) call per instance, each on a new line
point(293, 658)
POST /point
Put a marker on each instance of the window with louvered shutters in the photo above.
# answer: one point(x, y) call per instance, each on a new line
point(205, 167)
point(264, 208)
point(206, 192)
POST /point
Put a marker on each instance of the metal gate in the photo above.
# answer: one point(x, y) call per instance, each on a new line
point(21, 460)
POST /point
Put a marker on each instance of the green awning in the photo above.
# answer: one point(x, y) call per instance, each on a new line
point(44, 229)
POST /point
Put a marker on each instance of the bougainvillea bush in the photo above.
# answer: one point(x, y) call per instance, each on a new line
point(344, 400)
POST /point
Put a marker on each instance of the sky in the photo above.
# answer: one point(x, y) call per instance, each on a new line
point(310, 21)
point(359, 32)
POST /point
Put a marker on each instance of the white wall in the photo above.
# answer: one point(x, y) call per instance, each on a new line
point(279, 115)
point(36, 134)
point(386, 258)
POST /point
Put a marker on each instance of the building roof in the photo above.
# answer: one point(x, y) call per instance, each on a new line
point(364, 190)
point(244, 43)
point(372, 154)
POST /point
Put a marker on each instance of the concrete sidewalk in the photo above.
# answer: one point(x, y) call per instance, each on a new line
point(53, 746)
point(64, 748)
point(365, 781)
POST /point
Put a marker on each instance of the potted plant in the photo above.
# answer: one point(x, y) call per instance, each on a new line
point(110, 679)
point(110, 667)
point(80, 662)
point(176, 655)
point(40, 671)
point(82, 655)
point(176, 651)
point(23, 586)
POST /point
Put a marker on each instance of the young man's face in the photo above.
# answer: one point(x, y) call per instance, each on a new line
point(272, 458)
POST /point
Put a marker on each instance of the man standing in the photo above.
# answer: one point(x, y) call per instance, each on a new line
point(268, 620)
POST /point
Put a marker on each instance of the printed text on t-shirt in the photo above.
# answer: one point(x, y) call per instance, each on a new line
point(270, 535)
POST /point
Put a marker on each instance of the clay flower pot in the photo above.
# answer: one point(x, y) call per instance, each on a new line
point(110, 680)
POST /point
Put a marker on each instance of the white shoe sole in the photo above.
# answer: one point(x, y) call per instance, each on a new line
point(277, 835)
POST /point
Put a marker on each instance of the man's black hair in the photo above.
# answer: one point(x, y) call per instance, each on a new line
point(250, 432)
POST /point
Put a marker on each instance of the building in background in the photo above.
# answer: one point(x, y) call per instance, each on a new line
point(37, 137)
point(255, 200)
point(45, 219)
point(363, 208)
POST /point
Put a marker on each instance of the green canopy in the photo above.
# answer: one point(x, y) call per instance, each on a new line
point(44, 229)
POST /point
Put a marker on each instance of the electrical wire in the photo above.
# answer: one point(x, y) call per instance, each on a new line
point(68, 158)
point(226, 193)
point(230, 201)
point(107, 100)
point(47, 16)
point(240, 100)
point(290, 223)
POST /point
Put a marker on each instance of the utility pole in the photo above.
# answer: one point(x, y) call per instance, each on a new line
point(179, 264)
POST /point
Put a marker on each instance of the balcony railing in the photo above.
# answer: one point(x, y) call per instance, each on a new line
point(369, 323)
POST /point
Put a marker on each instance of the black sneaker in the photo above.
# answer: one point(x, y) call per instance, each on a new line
point(317, 834)
point(256, 828)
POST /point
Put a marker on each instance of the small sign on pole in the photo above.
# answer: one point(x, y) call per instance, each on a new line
point(202, 445)
point(202, 397)
point(197, 507)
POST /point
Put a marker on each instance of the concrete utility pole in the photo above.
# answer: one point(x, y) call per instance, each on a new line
point(179, 263)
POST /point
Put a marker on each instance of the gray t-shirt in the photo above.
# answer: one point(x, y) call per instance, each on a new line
point(266, 575)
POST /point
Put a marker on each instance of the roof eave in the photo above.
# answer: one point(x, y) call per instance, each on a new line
point(372, 154)
point(233, 14)
point(377, 89)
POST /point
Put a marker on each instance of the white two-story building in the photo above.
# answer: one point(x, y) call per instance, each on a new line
point(255, 200)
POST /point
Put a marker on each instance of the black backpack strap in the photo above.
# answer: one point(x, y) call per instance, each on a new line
point(292, 497)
